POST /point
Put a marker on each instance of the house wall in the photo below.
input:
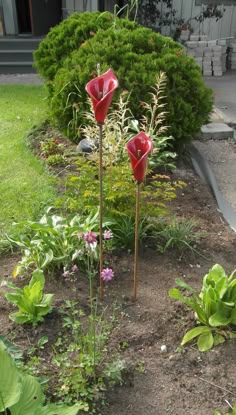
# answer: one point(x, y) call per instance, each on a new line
point(69, 6)
point(224, 27)
point(9, 14)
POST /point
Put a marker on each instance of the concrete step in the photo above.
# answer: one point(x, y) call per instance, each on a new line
point(16, 55)
point(16, 67)
point(18, 43)
point(216, 131)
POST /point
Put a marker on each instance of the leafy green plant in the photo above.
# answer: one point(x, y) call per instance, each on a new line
point(214, 307)
point(83, 371)
point(180, 234)
point(124, 230)
point(50, 147)
point(33, 305)
point(52, 242)
point(21, 394)
point(118, 189)
point(55, 160)
point(233, 412)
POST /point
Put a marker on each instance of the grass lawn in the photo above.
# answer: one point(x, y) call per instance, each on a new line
point(25, 187)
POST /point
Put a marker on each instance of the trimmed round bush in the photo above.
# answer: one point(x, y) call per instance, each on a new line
point(69, 35)
point(136, 56)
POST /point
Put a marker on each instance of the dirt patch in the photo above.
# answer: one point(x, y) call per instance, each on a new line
point(176, 381)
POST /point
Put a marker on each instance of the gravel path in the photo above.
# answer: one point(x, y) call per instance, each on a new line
point(20, 79)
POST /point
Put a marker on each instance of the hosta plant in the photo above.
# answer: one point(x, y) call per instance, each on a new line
point(52, 242)
point(32, 304)
point(21, 394)
point(214, 308)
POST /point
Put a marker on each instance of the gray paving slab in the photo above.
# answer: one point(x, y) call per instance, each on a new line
point(20, 79)
point(216, 131)
point(221, 157)
point(224, 89)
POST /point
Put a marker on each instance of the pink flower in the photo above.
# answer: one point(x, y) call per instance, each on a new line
point(66, 274)
point(138, 148)
point(75, 268)
point(90, 237)
point(101, 90)
point(107, 274)
point(107, 234)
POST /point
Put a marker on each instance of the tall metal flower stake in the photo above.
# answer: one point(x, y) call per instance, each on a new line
point(101, 90)
point(138, 148)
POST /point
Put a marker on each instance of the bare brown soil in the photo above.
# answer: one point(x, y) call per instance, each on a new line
point(177, 382)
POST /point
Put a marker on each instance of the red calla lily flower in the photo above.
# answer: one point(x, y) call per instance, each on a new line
point(138, 148)
point(101, 90)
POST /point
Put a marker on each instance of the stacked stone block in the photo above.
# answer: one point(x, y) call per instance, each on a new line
point(210, 55)
point(184, 35)
point(232, 54)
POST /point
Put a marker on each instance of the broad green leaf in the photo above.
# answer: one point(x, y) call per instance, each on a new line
point(183, 284)
point(218, 270)
point(196, 331)
point(12, 297)
point(233, 316)
point(176, 294)
point(35, 293)
point(205, 341)
point(37, 275)
point(10, 380)
point(42, 311)
point(232, 292)
point(218, 339)
point(209, 302)
point(217, 413)
point(13, 350)
point(47, 300)
point(214, 274)
point(24, 304)
point(48, 258)
point(53, 409)
point(232, 275)
point(20, 318)
point(219, 319)
point(31, 397)
point(211, 293)
point(221, 287)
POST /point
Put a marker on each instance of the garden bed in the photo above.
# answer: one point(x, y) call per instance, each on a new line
point(176, 381)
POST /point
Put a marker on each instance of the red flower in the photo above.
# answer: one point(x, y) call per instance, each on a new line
point(101, 90)
point(138, 148)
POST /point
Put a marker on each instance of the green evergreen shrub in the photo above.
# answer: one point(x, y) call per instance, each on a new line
point(68, 59)
point(136, 57)
point(68, 36)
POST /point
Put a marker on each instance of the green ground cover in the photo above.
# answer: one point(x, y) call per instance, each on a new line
point(25, 187)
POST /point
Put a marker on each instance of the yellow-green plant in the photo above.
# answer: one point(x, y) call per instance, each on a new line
point(233, 412)
point(118, 191)
point(115, 132)
point(121, 125)
point(32, 304)
point(214, 306)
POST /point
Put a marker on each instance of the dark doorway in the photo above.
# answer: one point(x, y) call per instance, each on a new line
point(23, 16)
point(121, 3)
point(45, 14)
point(101, 5)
